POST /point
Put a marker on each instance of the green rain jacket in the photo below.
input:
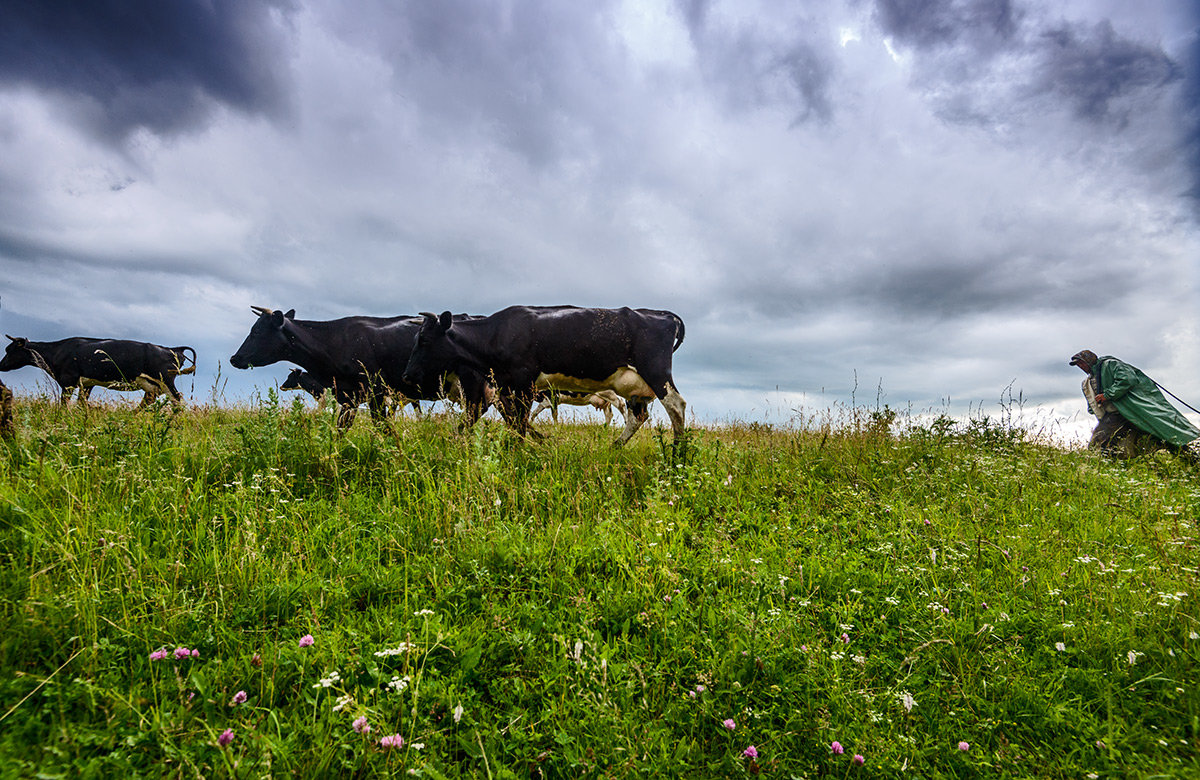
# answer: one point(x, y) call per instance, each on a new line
point(1139, 400)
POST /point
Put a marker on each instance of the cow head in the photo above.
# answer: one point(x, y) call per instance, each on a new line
point(430, 352)
point(18, 354)
point(293, 379)
point(268, 341)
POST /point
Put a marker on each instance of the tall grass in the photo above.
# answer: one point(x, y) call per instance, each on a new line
point(564, 609)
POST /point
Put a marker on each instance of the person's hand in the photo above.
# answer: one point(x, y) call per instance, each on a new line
point(1100, 398)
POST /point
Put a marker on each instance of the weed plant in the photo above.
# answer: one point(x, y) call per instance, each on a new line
point(251, 593)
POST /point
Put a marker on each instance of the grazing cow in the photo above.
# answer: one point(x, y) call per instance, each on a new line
point(523, 349)
point(604, 400)
point(118, 365)
point(361, 358)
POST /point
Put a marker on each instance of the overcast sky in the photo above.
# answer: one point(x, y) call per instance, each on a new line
point(934, 199)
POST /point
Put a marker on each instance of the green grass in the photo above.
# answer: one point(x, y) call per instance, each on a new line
point(563, 609)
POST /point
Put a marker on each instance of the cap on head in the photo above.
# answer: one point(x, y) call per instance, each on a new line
point(1084, 357)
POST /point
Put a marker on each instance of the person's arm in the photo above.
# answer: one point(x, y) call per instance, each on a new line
point(1116, 379)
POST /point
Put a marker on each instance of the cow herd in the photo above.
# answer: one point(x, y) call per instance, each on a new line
point(509, 359)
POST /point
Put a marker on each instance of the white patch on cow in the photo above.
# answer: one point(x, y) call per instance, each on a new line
point(625, 382)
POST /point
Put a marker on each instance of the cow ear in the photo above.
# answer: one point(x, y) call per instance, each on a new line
point(276, 319)
point(447, 320)
point(291, 314)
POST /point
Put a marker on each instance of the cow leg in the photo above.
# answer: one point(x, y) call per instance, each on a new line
point(65, 395)
point(85, 392)
point(346, 415)
point(150, 387)
point(639, 412)
point(541, 407)
point(607, 409)
point(676, 407)
point(176, 396)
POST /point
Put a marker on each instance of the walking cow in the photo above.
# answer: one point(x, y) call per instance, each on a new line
point(524, 349)
point(112, 363)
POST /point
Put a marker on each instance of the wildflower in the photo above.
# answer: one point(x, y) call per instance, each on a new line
point(750, 752)
point(361, 726)
point(327, 682)
point(343, 702)
point(858, 759)
point(458, 713)
point(159, 655)
point(306, 640)
point(394, 741)
point(1132, 656)
point(729, 724)
point(400, 649)
point(183, 652)
point(837, 748)
point(1060, 647)
point(238, 698)
point(399, 684)
point(256, 661)
point(195, 654)
point(845, 639)
point(963, 746)
point(423, 612)
point(225, 738)
point(907, 700)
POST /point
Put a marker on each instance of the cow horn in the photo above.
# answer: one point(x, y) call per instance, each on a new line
point(10, 338)
point(261, 310)
point(428, 314)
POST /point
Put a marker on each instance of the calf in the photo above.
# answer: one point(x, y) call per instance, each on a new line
point(85, 363)
point(299, 379)
point(523, 349)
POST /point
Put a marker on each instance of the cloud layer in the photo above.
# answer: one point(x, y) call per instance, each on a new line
point(938, 200)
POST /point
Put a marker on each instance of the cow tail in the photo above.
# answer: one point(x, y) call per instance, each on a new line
point(182, 369)
point(678, 332)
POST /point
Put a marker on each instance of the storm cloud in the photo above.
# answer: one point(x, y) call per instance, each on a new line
point(160, 66)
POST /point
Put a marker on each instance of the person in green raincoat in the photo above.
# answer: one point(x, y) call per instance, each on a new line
point(1129, 408)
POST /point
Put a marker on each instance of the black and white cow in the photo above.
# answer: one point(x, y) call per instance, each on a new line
point(523, 349)
point(361, 358)
point(603, 401)
point(113, 363)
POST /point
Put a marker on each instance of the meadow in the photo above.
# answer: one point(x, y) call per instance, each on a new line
point(250, 593)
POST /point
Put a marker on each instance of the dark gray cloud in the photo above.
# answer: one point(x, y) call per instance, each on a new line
point(162, 65)
point(541, 77)
point(1095, 69)
point(1190, 111)
point(934, 23)
point(790, 62)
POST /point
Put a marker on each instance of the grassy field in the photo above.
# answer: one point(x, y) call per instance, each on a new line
point(248, 593)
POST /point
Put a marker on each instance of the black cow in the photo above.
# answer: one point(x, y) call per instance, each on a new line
point(361, 358)
point(523, 349)
point(118, 365)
